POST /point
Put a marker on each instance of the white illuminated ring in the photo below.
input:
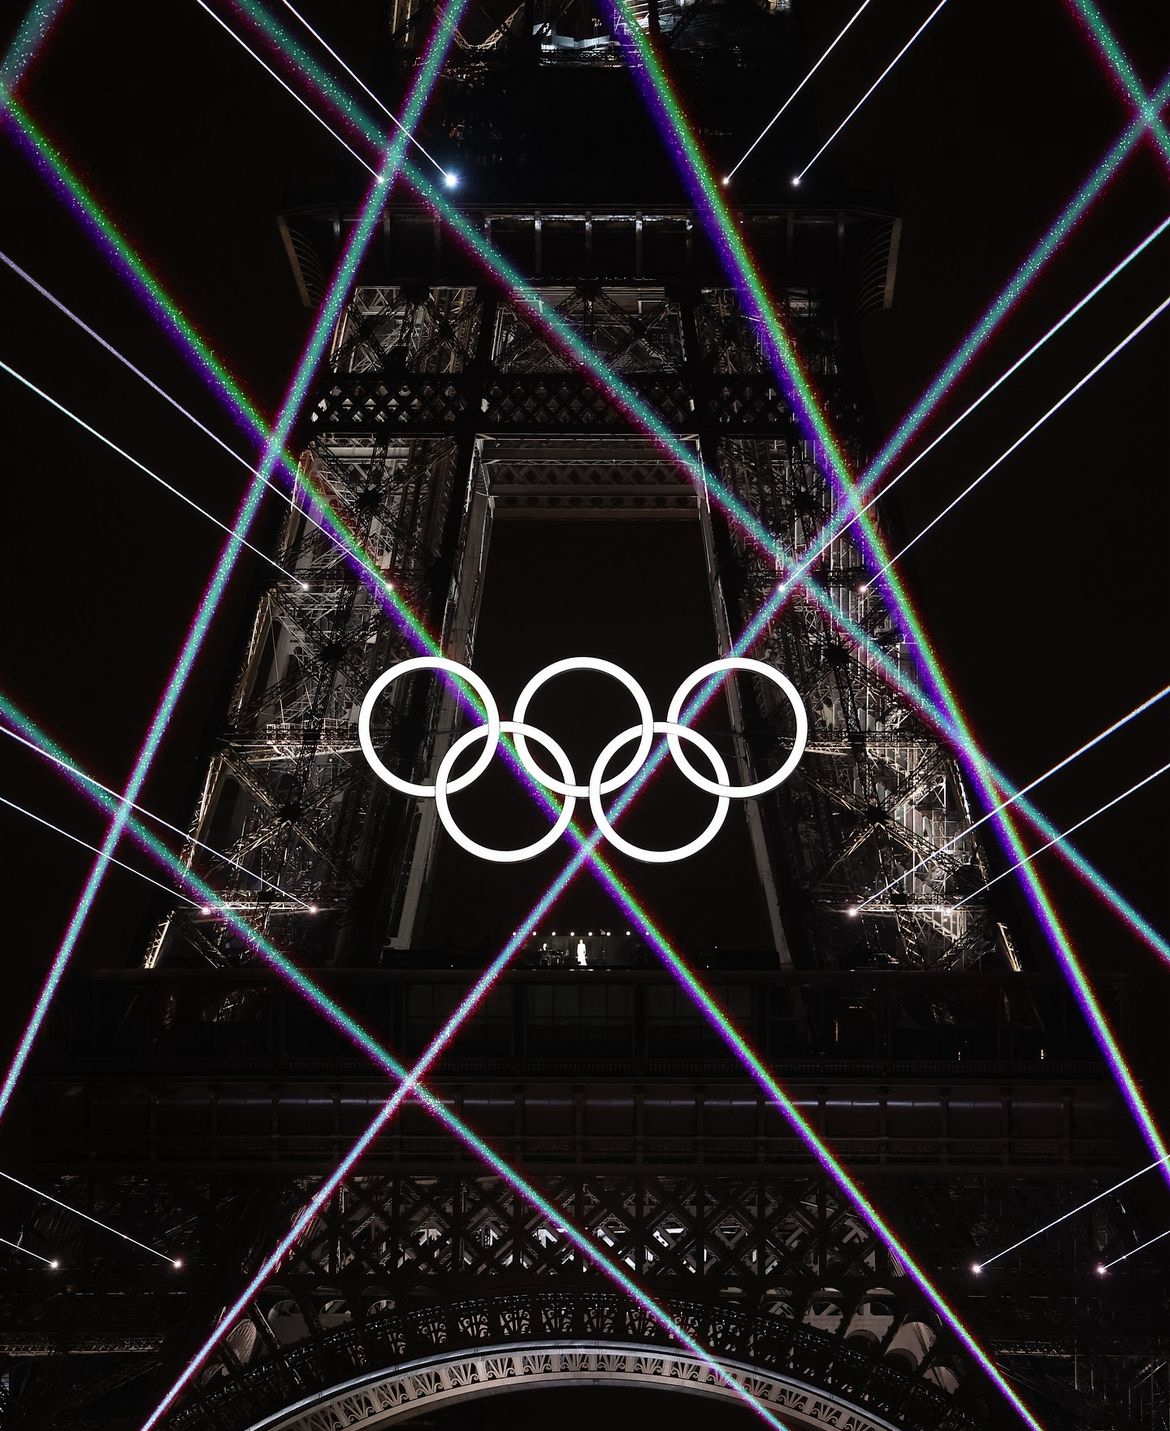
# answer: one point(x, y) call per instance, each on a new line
point(485, 852)
point(761, 787)
point(607, 668)
point(430, 663)
point(672, 731)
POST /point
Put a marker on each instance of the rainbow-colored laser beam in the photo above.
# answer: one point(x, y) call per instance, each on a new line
point(484, 252)
point(680, 141)
point(800, 396)
point(719, 1021)
point(298, 389)
point(1117, 62)
point(409, 1085)
point(26, 43)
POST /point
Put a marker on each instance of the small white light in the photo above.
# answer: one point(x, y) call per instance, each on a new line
point(206, 909)
point(304, 586)
point(852, 911)
point(177, 1263)
point(796, 181)
point(389, 586)
point(863, 586)
point(976, 1268)
point(725, 180)
point(54, 1265)
point(451, 179)
point(312, 909)
point(1101, 1269)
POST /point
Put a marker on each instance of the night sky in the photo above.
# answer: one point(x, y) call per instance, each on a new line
point(1045, 592)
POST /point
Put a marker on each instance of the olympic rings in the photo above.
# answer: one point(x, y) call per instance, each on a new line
point(638, 852)
point(525, 852)
point(598, 786)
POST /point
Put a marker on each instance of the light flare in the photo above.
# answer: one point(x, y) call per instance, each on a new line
point(97, 1222)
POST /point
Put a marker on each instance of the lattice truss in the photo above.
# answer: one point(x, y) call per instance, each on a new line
point(783, 1250)
point(288, 797)
point(876, 793)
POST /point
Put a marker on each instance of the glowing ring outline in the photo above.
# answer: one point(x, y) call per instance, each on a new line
point(485, 852)
point(429, 663)
point(606, 668)
point(778, 777)
point(671, 729)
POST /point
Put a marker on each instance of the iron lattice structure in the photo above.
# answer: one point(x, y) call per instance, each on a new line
point(206, 1103)
point(443, 410)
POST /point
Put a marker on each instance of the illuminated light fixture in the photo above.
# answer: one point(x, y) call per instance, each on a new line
point(72, 770)
point(161, 392)
point(1100, 810)
point(1040, 421)
point(141, 466)
point(848, 26)
point(1032, 784)
point(50, 1262)
point(1072, 1212)
point(85, 845)
point(1103, 1267)
point(97, 1222)
point(348, 264)
point(976, 1268)
point(869, 91)
point(451, 180)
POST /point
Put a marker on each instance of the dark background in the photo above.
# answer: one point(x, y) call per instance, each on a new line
point(1045, 592)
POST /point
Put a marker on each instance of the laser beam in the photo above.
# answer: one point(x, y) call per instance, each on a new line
point(1039, 780)
point(150, 815)
point(26, 43)
point(1100, 810)
point(982, 1266)
point(351, 257)
point(848, 26)
point(1039, 423)
point(97, 1222)
point(447, 177)
point(798, 179)
point(161, 392)
point(141, 466)
point(1105, 1266)
point(1115, 58)
point(16, 1247)
point(85, 845)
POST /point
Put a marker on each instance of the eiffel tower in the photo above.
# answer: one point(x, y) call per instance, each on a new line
point(925, 1043)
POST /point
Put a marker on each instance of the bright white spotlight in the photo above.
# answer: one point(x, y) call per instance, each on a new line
point(796, 181)
point(852, 911)
point(312, 909)
point(725, 180)
point(976, 1268)
point(863, 587)
point(54, 1265)
point(1101, 1269)
point(177, 1263)
point(451, 179)
point(205, 909)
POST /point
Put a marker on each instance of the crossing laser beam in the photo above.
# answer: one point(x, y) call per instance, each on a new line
point(141, 466)
point(16, 1247)
point(150, 815)
point(409, 1086)
point(97, 1222)
point(424, 81)
point(714, 1014)
point(85, 845)
point(1100, 810)
point(1039, 423)
point(1116, 60)
point(848, 26)
point(1039, 780)
point(799, 177)
point(448, 178)
point(161, 392)
point(1105, 1266)
point(937, 702)
point(836, 527)
point(982, 1266)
